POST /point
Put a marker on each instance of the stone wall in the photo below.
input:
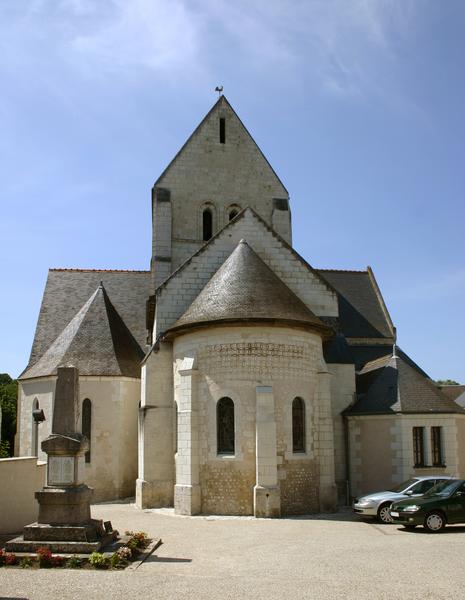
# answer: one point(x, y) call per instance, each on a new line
point(381, 449)
point(342, 395)
point(20, 478)
point(157, 425)
point(112, 471)
point(232, 362)
point(43, 391)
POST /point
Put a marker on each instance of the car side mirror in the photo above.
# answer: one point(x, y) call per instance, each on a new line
point(459, 493)
point(409, 493)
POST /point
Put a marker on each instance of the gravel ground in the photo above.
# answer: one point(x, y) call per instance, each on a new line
point(328, 557)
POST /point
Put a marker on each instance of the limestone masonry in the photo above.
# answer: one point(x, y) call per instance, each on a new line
point(233, 377)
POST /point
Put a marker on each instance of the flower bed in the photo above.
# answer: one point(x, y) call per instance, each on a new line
point(135, 543)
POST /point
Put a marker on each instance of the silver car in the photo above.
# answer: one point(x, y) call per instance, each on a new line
point(378, 504)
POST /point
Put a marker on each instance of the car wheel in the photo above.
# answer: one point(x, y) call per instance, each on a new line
point(435, 522)
point(384, 514)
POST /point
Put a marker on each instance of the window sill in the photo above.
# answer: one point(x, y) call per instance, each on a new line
point(419, 467)
point(298, 455)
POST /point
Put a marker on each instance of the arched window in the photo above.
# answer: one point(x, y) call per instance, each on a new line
point(87, 424)
point(298, 425)
point(232, 211)
point(225, 426)
point(207, 224)
point(35, 430)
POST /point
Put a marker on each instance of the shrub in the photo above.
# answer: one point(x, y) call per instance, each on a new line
point(139, 538)
point(11, 559)
point(26, 562)
point(58, 561)
point(121, 557)
point(98, 560)
point(74, 562)
point(44, 557)
point(2, 558)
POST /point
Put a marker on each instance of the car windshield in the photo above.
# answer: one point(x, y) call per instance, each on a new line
point(403, 486)
point(445, 488)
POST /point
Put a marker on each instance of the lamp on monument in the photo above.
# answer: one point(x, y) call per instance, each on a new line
point(38, 417)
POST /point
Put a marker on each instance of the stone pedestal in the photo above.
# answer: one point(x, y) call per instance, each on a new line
point(64, 506)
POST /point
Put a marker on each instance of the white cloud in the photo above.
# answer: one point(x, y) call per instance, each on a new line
point(341, 47)
point(162, 36)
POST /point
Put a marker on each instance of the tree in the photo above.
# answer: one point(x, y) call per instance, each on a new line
point(447, 382)
point(8, 397)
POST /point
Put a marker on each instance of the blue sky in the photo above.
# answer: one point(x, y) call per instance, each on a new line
point(358, 105)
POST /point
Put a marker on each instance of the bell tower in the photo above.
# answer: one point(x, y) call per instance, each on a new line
point(219, 171)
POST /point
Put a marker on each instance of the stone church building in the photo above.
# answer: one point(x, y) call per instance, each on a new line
point(233, 377)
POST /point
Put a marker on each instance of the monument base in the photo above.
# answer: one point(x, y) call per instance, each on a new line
point(63, 539)
point(64, 506)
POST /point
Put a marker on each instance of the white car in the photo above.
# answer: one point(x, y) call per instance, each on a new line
point(378, 504)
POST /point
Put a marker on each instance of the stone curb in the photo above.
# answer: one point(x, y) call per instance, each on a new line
point(145, 554)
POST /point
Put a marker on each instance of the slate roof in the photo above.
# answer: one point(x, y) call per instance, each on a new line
point(452, 391)
point(362, 313)
point(67, 290)
point(455, 393)
point(336, 350)
point(392, 384)
point(244, 288)
point(96, 341)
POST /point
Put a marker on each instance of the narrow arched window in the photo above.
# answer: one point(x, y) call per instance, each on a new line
point(298, 425)
point(207, 224)
point(232, 214)
point(87, 424)
point(225, 426)
point(35, 430)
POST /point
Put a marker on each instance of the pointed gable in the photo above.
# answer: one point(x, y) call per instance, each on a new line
point(245, 289)
point(236, 139)
point(96, 341)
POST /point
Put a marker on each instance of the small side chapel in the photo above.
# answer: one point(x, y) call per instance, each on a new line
point(233, 377)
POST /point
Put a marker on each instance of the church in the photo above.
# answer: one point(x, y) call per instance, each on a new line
point(233, 377)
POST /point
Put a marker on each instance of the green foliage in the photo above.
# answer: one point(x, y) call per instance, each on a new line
point(4, 449)
point(74, 562)
point(447, 382)
point(8, 396)
point(26, 562)
point(99, 561)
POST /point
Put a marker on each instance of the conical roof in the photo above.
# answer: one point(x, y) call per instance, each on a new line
point(245, 289)
point(96, 341)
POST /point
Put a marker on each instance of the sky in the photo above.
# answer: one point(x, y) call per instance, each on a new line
point(357, 104)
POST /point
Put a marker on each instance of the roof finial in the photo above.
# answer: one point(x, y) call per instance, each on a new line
point(219, 89)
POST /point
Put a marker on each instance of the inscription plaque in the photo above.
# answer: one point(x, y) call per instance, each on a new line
point(60, 470)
